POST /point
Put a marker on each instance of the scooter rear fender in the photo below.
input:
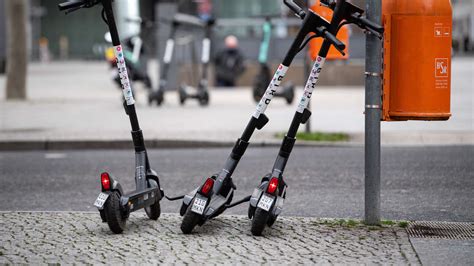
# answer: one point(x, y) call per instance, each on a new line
point(278, 206)
point(257, 193)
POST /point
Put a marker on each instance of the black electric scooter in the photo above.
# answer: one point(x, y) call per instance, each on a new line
point(114, 205)
point(262, 79)
point(215, 194)
point(201, 92)
point(266, 202)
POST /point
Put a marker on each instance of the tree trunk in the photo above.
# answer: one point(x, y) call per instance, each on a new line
point(17, 53)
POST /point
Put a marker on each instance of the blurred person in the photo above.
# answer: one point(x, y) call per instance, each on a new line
point(229, 63)
point(44, 53)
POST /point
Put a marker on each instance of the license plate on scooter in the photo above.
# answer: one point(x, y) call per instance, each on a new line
point(199, 205)
point(99, 202)
point(265, 202)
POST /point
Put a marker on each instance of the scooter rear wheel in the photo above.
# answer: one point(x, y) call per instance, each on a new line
point(190, 220)
point(153, 211)
point(259, 221)
point(113, 213)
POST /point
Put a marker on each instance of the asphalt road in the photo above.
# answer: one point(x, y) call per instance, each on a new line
point(418, 183)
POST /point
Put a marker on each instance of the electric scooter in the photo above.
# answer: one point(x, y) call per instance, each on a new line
point(266, 202)
point(113, 204)
point(215, 194)
point(262, 79)
point(201, 92)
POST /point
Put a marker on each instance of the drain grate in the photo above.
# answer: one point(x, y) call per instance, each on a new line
point(446, 230)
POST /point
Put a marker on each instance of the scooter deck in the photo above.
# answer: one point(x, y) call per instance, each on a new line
point(139, 199)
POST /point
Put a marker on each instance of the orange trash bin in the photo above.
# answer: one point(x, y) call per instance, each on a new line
point(417, 59)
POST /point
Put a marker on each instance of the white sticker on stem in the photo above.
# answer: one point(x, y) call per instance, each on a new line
point(122, 69)
point(310, 84)
point(206, 50)
point(168, 51)
point(271, 90)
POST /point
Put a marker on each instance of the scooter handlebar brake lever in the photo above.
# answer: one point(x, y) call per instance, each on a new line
point(73, 9)
point(71, 5)
point(299, 12)
point(328, 3)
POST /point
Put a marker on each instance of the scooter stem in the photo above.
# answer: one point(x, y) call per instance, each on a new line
point(137, 134)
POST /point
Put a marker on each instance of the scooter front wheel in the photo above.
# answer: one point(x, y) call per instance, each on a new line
point(251, 211)
point(271, 220)
point(190, 220)
point(113, 213)
point(259, 221)
point(157, 96)
point(204, 98)
point(153, 211)
point(257, 93)
point(290, 93)
point(182, 95)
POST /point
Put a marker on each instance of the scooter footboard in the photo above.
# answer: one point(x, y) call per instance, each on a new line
point(217, 202)
point(141, 199)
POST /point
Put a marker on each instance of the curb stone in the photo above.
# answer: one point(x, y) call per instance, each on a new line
point(151, 144)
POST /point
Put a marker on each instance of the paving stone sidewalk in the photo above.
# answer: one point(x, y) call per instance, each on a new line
point(79, 237)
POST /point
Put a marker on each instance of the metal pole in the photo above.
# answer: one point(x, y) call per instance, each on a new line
point(373, 72)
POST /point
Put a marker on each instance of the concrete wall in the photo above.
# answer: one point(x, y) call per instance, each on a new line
point(84, 29)
point(334, 74)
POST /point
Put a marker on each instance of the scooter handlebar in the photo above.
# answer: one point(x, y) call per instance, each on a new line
point(71, 4)
point(353, 14)
point(299, 12)
point(340, 46)
point(367, 23)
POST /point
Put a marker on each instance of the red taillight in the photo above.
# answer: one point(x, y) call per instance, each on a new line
point(206, 188)
point(105, 180)
point(272, 186)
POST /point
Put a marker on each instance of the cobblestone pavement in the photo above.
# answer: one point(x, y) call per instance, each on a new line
point(69, 237)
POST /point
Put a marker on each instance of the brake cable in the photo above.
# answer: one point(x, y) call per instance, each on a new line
point(306, 42)
point(104, 18)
